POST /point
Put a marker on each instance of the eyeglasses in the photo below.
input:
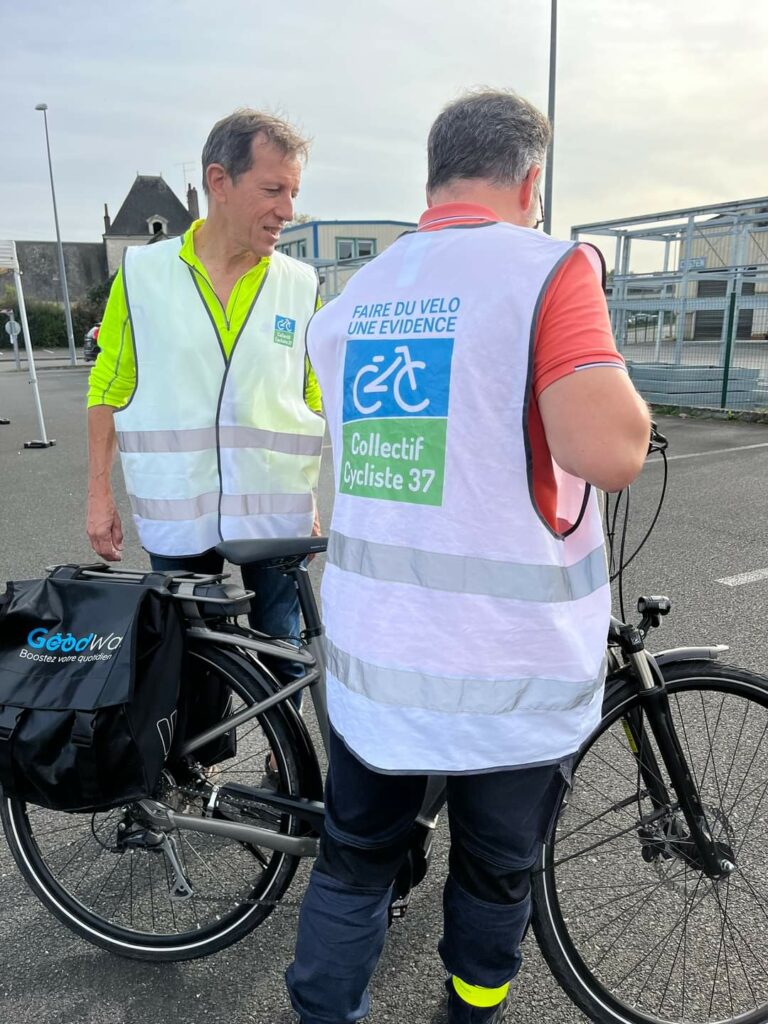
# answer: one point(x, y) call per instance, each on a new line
point(537, 224)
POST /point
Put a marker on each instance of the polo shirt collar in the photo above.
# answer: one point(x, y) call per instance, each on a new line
point(452, 215)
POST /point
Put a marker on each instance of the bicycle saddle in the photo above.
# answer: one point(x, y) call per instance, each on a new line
point(238, 552)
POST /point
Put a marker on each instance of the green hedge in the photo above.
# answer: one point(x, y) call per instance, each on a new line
point(47, 324)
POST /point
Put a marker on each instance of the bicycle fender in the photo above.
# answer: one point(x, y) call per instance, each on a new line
point(312, 779)
point(690, 654)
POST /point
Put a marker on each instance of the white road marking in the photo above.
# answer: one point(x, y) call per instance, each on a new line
point(745, 577)
point(713, 451)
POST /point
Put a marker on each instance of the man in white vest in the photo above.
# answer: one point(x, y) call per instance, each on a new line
point(203, 382)
point(475, 399)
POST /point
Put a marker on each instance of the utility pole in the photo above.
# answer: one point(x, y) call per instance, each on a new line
point(62, 272)
point(551, 115)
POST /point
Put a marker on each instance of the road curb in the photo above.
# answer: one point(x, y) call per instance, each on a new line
point(696, 412)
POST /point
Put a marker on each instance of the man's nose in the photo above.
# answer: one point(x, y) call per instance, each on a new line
point(284, 208)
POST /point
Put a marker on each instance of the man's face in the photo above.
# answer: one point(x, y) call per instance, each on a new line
point(260, 202)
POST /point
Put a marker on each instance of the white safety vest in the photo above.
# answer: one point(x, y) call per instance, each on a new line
point(463, 633)
point(215, 449)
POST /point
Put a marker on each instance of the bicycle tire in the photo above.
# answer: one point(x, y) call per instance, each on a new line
point(34, 856)
point(587, 954)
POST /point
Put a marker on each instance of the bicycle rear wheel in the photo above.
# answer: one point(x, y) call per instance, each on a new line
point(631, 930)
point(119, 896)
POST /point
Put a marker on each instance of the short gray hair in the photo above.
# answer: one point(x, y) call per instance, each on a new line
point(229, 143)
point(491, 134)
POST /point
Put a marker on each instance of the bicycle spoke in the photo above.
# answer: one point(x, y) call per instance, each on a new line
point(672, 944)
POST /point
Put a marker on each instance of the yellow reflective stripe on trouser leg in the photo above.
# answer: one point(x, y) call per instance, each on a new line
point(475, 995)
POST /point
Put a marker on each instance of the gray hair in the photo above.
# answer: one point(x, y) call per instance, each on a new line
point(491, 134)
point(229, 143)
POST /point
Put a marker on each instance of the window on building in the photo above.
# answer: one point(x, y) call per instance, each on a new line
point(355, 249)
point(297, 249)
point(157, 225)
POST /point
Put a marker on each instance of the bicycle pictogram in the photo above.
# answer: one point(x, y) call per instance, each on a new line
point(401, 371)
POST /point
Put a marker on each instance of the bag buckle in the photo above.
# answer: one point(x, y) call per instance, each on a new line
point(82, 730)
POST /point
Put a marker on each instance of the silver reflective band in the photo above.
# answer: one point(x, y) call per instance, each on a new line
point(266, 504)
point(254, 437)
point(134, 441)
point(200, 438)
point(179, 509)
point(403, 688)
point(465, 575)
point(175, 509)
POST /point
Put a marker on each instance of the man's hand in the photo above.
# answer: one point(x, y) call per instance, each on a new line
point(105, 531)
point(316, 530)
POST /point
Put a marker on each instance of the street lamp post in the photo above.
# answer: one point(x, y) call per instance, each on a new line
point(551, 114)
point(62, 271)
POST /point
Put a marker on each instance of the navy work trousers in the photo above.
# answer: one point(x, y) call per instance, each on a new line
point(274, 606)
point(497, 821)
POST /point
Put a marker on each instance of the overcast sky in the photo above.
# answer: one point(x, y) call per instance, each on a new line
point(660, 104)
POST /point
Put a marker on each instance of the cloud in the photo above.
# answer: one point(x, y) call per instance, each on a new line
point(659, 105)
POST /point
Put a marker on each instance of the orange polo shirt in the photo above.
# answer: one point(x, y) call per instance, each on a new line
point(573, 332)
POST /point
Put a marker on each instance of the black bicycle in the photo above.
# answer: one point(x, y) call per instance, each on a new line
point(651, 887)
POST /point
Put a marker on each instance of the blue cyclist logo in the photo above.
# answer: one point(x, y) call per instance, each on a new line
point(377, 378)
point(387, 379)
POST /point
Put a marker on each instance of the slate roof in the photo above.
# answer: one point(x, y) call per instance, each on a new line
point(150, 195)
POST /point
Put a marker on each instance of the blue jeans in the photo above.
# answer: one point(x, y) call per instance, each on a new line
point(274, 606)
point(497, 822)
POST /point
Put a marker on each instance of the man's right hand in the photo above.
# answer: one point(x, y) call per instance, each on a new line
point(105, 531)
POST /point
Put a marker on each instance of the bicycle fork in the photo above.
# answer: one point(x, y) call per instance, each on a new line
point(714, 858)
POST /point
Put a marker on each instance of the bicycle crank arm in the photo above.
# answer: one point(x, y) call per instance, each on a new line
point(163, 818)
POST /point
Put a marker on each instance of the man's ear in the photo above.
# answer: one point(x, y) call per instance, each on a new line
point(217, 177)
point(528, 189)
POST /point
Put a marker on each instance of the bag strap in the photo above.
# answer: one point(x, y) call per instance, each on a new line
point(10, 718)
point(73, 571)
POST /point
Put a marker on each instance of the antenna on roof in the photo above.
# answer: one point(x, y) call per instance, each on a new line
point(187, 176)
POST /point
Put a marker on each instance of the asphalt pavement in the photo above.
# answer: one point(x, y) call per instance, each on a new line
point(713, 527)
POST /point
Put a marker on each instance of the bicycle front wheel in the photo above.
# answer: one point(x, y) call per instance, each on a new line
point(104, 876)
point(631, 929)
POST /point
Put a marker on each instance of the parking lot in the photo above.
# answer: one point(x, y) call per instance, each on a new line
point(713, 527)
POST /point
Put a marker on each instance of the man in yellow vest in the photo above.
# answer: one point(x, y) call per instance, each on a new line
point(203, 383)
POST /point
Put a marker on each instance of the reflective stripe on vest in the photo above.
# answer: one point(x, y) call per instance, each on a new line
point(463, 633)
point(452, 695)
point(205, 437)
point(440, 571)
point(215, 449)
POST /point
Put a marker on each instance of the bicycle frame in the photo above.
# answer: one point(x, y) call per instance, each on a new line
point(310, 655)
point(711, 856)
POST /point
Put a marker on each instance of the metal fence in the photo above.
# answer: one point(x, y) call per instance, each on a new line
point(694, 331)
point(695, 339)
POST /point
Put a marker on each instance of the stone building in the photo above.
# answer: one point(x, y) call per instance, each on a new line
point(151, 208)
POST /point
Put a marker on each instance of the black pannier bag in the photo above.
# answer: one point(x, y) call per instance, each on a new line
point(89, 678)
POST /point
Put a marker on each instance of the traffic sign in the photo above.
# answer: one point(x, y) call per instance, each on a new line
point(13, 328)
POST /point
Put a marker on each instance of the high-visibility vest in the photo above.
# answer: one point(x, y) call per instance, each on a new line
point(463, 633)
point(214, 448)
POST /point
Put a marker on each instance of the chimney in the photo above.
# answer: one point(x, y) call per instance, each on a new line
point(192, 204)
point(107, 219)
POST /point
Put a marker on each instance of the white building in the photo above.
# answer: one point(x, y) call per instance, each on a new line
point(338, 247)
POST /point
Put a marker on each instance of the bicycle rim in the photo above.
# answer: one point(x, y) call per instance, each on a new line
point(121, 898)
point(642, 939)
